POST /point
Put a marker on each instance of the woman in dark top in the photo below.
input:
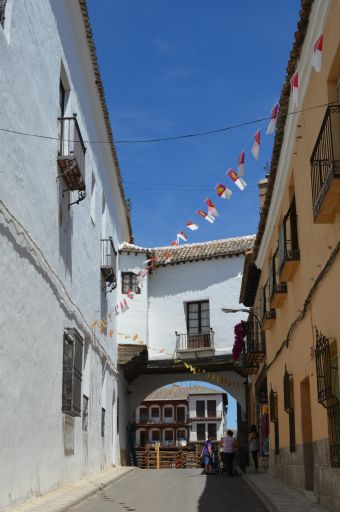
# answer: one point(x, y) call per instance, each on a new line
point(253, 439)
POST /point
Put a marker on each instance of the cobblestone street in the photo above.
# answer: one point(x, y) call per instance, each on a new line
point(186, 490)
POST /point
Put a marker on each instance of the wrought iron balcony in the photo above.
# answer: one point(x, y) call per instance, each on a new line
point(277, 289)
point(194, 341)
point(108, 260)
point(71, 155)
point(325, 168)
point(288, 250)
point(255, 347)
point(267, 313)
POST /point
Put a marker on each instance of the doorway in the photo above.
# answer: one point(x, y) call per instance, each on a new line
point(143, 437)
point(307, 434)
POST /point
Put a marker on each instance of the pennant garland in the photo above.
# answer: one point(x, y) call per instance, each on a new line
point(272, 123)
point(240, 165)
point(317, 53)
point(191, 225)
point(206, 216)
point(211, 208)
point(223, 192)
point(239, 182)
point(255, 150)
point(182, 236)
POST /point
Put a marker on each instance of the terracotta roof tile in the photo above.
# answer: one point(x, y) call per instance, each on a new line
point(197, 251)
point(176, 392)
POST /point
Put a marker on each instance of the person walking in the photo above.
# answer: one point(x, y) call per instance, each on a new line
point(207, 453)
point(253, 439)
point(228, 452)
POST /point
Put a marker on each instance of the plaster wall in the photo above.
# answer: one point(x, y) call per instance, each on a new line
point(44, 292)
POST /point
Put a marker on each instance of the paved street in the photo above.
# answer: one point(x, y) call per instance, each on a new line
point(182, 490)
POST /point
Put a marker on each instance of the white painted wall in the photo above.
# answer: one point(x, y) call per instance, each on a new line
point(160, 310)
point(220, 412)
point(43, 293)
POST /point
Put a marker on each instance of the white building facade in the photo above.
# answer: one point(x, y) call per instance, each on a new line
point(59, 381)
point(178, 415)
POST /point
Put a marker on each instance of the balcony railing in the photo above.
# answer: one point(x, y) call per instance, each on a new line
point(288, 250)
point(277, 289)
point(255, 347)
point(325, 168)
point(267, 313)
point(108, 260)
point(71, 154)
point(194, 341)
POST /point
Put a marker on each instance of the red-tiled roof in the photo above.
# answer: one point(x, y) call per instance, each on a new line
point(194, 252)
point(176, 392)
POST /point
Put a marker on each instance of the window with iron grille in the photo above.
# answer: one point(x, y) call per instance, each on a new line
point(85, 421)
point(200, 431)
point(103, 422)
point(200, 408)
point(274, 418)
point(326, 372)
point(333, 415)
point(288, 389)
point(72, 372)
point(130, 282)
point(2, 12)
point(212, 431)
point(211, 405)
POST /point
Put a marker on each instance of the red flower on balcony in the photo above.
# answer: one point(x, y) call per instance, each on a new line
point(240, 331)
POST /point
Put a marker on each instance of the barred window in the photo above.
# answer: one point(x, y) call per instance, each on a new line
point(85, 413)
point(212, 431)
point(200, 431)
point(211, 405)
point(72, 372)
point(129, 283)
point(2, 11)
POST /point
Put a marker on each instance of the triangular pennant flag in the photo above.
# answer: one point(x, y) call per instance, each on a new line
point(191, 225)
point(135, 337)
point(294, 88)
point(182, 236)
point(121, 306)
point(255, 150)
point(240, 164)
point(149, 260)
point(136, 270)
point(110, 333)
point(272, 122)
point(125, 304)
point(94, 323)
point(206, 216)
point(223, 192)
point(211, 208)
point(317, 53)
point(239, 182)
point(175, 242)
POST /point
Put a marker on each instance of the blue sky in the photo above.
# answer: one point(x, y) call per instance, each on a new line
point(173, 67)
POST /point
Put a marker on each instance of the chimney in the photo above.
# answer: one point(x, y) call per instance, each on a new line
point(262, 184)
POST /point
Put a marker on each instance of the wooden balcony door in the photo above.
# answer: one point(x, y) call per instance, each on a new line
point(198, 324)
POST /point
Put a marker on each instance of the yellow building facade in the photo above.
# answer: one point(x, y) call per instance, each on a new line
point(292, 277)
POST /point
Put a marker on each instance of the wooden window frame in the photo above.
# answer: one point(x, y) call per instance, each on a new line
point(132, 285)
point(198, 427)
point(197, 411)
point(72, 372)
point(199, 329)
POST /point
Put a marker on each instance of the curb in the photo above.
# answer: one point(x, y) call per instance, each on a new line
point(270, 506)
point(99, 487)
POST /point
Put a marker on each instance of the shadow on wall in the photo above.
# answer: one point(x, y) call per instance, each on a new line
point(65, 227)
point(195, 276)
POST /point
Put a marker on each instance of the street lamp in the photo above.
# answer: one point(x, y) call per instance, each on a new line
point(242, 310)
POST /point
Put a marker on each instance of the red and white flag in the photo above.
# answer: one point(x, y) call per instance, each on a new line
point(272, 122)
point(125, 304)
point(191, 225)
point(294, 88)
point(211, 208)
point(206, 216)
point(223, 192)
point(317, 53)
point(239, 182)
point(182, 236)
point(175, 242)
point(255, 150)
point(240, 165)
point(149, 260)
point(121, 306)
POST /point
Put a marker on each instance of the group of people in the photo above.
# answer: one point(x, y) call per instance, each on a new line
point(212, 456)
